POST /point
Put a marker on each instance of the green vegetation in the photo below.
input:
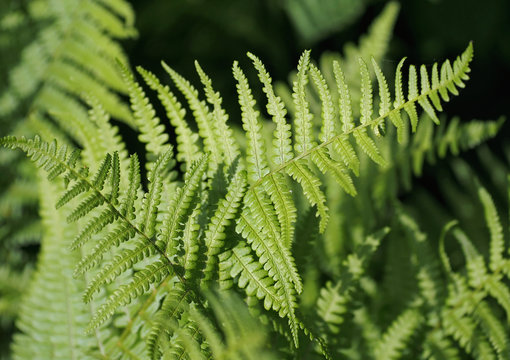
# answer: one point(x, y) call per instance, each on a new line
point(147, 216)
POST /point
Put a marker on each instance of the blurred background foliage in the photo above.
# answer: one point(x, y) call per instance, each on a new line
point(217, 32)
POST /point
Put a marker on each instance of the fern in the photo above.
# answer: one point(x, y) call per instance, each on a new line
point(281, 212)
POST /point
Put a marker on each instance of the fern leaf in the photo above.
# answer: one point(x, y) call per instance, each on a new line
point(206, 128)
point(385, 104)
point(180, 204)
point(344, 99)
point(43, 154)
point(300, 172)
point(325, 164)
point(86, 206)
point(368, 146)
point(303, 140)
point(347, 153)
point(225, 212)
point(366, 93)
point(265, 252)
point(115, 179)
point(77, 188)
point(121, 233)
point(277, 188)
point(425, 88)
point(497, 242)
point(98, 223)
point(256, 157)
point(275, 107)
point(328, 111)
point(331, 306)
point(493, 329)
point(152, 131)
point(140, 284)
point(187, 150)
point(399, 93)
point(384, 93)
point(152, 198)
point(126, 207)
point(220, 117)
point(252, 276)
point(190, 242)
point(173, 306)
point(499, 291)
point(61, 335)
point(117, 266)
point(399, 332)
point(263, 214)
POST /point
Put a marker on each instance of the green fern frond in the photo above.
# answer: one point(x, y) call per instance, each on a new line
point(187, 150)
point(119, 264)
point(225, 211)
point(310, 183)
point(497, 242)
point(52, 290)
point(333, 299)
point(400, 331)
point(256, 156)
point(173, 306)
point(303, 119)
point(272, 264)
point(280, 193)
point(141, 282)
point(180, 204)
point(157, 176)
point(229, 147)
point(252, 276)
point(152, 131)
point(206, 127)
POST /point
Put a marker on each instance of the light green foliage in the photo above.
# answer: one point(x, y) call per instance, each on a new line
point(288, 213)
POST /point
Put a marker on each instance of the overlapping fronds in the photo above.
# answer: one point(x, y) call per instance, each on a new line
point(74, 55)
point(260, 203)
point(239, 334)
point(53, 290)
point(468, 314)
point(151, 244)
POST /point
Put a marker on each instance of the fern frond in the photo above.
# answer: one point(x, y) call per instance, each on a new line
point(256, 156)
point(310, 183)
point(151, 201)
point(396, 336)
point(98, 223)
point(252, 276)
point(187, 150)
point(173, 306)
point(303, 140)
point(229, 146)
point(120, 234)
point(52, 290)
point(119, 264)
point(224, 213)
point(331, 306)
point(493, 329)
point(275, 107)
point(180, 204)
point(497, 242)
point(246, 226)
point(206, 127)
point(333, 300)
point(279, 191)
point(153, 133)
point(141, 282)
